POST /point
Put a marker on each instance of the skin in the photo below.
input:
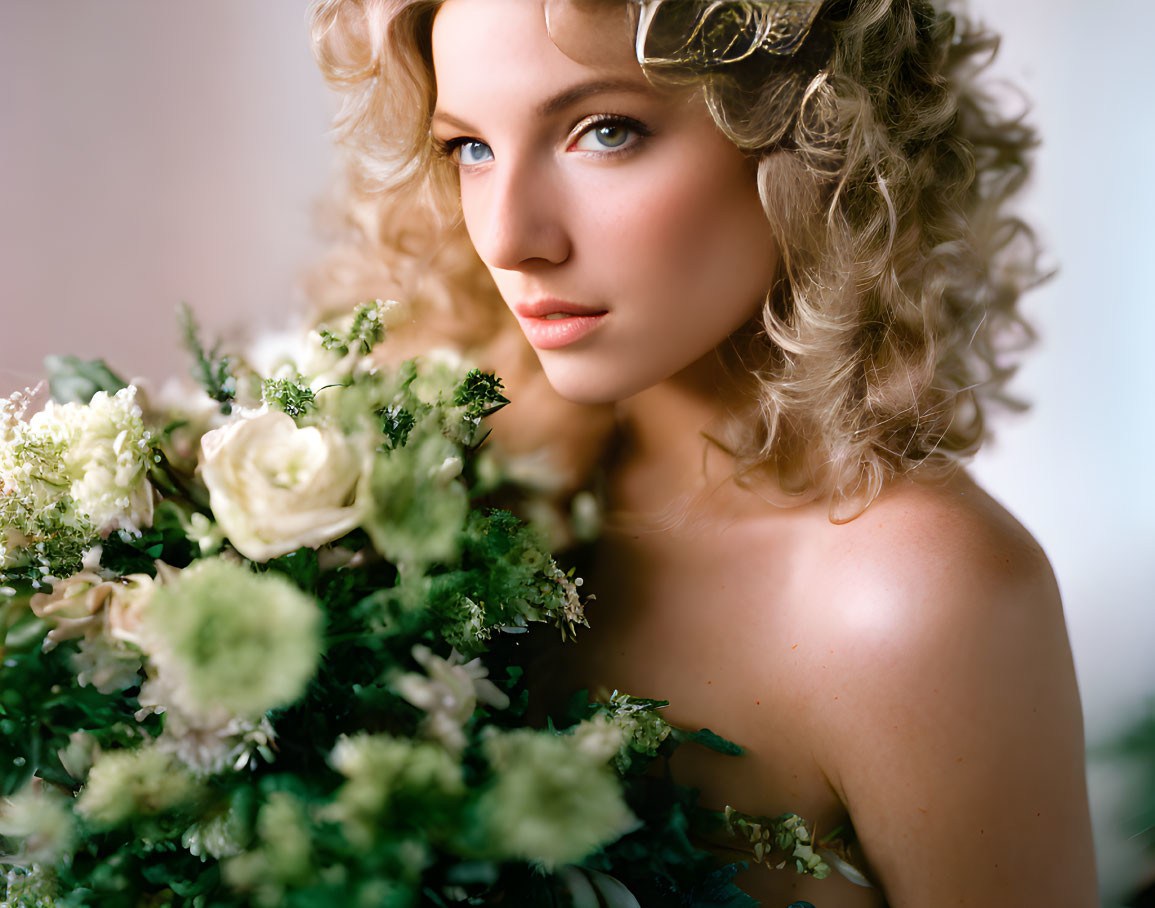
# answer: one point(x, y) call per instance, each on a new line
point(555, 212)
point(909, 670)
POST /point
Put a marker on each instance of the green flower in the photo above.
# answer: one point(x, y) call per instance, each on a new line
point(284, 857)
point(127, 783)
point(550, 801)
point(223, 835)
point(40, 820)
point(415, 504)
point(226, 639)
point(389, 775)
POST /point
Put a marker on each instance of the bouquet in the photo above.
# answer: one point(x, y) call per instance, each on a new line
point(266, 643)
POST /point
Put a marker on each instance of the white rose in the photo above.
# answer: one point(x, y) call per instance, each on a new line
point(274, 487)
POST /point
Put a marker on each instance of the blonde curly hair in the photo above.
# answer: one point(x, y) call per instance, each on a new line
point(884, 168)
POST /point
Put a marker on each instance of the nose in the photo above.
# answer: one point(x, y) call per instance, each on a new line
point(515, 217)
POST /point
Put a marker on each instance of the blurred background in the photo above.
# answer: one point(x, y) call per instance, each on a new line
point(154, 152)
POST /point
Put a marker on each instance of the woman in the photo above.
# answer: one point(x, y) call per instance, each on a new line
point(759, 253)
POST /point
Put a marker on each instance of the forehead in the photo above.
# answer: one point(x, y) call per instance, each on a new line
point(484, 48)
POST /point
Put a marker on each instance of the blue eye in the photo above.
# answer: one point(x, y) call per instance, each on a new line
point(470, 151)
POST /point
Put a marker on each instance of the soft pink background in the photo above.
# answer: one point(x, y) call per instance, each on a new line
point(151, 152)
point(154, 151)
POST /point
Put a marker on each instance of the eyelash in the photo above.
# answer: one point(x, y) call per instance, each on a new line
point(447, 149)
point(597, 122)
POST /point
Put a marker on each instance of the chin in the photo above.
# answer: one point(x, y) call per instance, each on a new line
point(584, 386)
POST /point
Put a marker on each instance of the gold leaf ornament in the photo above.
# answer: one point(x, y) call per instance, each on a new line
point(687, 34)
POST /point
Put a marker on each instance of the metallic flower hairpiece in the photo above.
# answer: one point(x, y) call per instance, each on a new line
point(694, 34)
point(707, 33)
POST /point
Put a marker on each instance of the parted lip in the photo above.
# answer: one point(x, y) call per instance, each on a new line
point(540, 308)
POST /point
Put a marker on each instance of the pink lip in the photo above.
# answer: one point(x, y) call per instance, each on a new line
point(549, 306)
point(549, 333)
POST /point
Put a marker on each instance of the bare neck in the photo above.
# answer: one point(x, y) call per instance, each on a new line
point(667, 463)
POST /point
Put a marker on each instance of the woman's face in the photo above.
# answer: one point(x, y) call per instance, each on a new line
point(592, 195)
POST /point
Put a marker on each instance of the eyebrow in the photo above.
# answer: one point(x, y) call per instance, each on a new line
point(563, 99)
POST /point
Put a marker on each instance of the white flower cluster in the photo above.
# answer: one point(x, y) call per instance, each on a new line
point(83, 466)
point(107, 459)
point(777, 841)
point(628, 725)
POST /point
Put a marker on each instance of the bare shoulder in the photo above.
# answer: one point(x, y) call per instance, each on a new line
point(926, 568)
point(941, 700)
point(923, 541)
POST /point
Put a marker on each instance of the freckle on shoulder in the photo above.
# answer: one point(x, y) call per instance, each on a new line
point(928, 540)
point(949, 520)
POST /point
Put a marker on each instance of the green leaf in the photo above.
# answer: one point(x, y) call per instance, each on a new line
point(707, 738)
point(471, 872)
point(210, 371)
point(301, 566)
point(75, 380)
point(396, 424)
point(480, 394)
point(126, 553)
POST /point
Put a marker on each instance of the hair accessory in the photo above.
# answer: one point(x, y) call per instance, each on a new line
point(700, 34)
point(694, 34)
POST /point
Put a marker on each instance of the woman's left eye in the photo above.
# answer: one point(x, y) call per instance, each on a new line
point(608, 135)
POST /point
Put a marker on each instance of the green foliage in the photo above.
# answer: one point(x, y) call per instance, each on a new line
point(126, 553)
point(506, 580)
point(41, 706)
point(480, 394)
point(417, 506)
point(339, 725)
point(61, 537)
point(212, 372)
point(1135, 747)
point(74, 380)
point(396, 424)
point(707, 738)
point(659, 862)
point(291, 397)
point(365, 332)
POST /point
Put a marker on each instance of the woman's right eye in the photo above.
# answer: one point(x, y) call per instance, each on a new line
point(467, 152)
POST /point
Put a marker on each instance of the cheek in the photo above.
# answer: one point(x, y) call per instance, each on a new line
point(692, 238)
